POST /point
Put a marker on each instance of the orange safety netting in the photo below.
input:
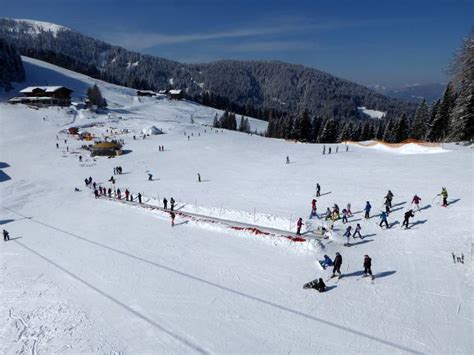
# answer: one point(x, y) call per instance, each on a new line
point(395, 145)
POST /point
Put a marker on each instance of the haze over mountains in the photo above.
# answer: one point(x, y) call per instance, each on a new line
point(247, 87)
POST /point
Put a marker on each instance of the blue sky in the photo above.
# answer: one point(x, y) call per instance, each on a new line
point(384, 41)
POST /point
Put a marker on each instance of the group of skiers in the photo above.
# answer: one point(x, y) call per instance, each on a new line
point(337, 149)
point(161, 148)
point(319, 284)
point(118, 170)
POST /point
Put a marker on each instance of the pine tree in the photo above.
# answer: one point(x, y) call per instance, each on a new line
point(439, 126)
point(401, 130)
point(95, 97)
point(215, 123)
point(462, 117)
point(304, 127)
point(329, 133)
point(420, 123)
point(315, 128)
point(388, 135)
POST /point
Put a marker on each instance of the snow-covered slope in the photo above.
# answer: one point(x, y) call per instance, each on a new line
point(34, 27)
point(92, 275)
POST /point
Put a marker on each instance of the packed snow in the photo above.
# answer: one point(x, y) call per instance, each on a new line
point(101, 276)
point(372, 113)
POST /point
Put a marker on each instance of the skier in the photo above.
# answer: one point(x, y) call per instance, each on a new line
point(357, 231)
point(172, 203)
point(287, 159)
point(112, 180)
point(347, 234)
point(313, 208)
point(299, 224)
point(318, 190)
point(407, 217)
point(172, 215)
point(139, 197)
point(118, 194)
point(57, 146)
point(199, 177)
point(344, 216)
point(388, 199)
point(320, 286)
point(387, 206)
point(324, 150)
point(337, 265)
point(94, 185)
point(165, 203)
point(416, 200)
point(96, 193)
point(127, 194)
point(150, 177)
point(6, 235)
point(325, 262)
point(80, 158)
point(444, 194)
point(86, 182)
point(383, 219)
point(348, 208)
point(328, 213)
point(368, 266)
point(109, 192)
point(367, 210)
point(329, 151)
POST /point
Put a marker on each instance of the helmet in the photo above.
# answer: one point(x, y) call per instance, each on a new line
point(338, 253)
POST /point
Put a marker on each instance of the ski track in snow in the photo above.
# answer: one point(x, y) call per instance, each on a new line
point(89, 276)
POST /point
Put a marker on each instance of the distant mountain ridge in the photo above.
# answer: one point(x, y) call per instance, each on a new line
point(247, 87)
point(414, 93)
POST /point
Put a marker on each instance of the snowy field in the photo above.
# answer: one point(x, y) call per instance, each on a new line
point(92, 275)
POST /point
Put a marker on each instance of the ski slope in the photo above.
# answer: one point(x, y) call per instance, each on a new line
point(86, 275)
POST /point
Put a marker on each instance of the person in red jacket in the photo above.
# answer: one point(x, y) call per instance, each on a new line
point(313, 208)
point(299, 224)
point(172, 215)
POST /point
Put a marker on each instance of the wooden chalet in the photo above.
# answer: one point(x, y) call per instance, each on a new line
point(44, 96)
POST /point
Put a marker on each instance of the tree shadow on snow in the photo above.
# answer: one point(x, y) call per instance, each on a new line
point(385, 273)
point(4, 165)
point(5, 221)
point(453, 201)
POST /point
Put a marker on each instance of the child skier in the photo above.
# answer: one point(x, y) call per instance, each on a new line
point(347, 234)
point(357, 231)
point(325, 262)
point(416, 200)
point(299, 224)
point(172, 215)
point(368, 266)
point(337, 265)
point(367, 210)
point(383, 219)
point(344, 216)
point(407, 217)
point(313, 208)
point(349, 211)
point(389, 198)
point(328, 213)
point(444, 194)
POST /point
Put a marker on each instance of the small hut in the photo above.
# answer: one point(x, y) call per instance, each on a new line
point(106, 149)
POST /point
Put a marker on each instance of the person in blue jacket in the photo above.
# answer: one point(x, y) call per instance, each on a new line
point(367, 210)
point(326, 262)
point(383, 219)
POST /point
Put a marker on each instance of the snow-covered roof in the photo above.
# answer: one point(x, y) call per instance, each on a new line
point(175, 92)
point(30, 89)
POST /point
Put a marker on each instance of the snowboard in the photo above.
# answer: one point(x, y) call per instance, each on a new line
point(310, 284)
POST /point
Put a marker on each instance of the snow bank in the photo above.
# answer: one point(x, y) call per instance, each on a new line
point(152, 130)
point(372, 113)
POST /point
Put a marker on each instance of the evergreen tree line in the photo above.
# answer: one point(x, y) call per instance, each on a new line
point(228, 120)
point(11, 66)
